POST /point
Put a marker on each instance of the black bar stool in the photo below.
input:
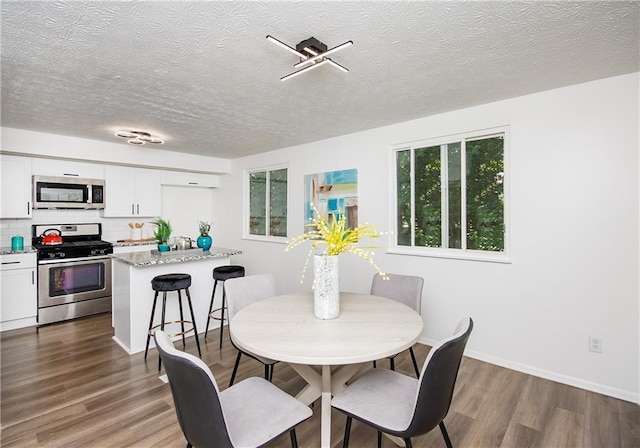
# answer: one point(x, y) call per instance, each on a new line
point(222, 273)
point(172, 282)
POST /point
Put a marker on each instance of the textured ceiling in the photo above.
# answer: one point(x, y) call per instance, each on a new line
point(202, 76)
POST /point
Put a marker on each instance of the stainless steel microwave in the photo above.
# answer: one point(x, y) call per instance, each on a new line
point(67, 192)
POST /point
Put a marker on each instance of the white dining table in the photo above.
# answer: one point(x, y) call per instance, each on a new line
point(284, 328)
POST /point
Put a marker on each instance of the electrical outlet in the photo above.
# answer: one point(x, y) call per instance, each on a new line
point(595, 344)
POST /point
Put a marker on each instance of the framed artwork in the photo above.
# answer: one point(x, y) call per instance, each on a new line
point(333, 194)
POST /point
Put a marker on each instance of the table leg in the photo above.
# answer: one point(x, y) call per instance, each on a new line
point(325, 420)
point(313, 390)
point(323, 386)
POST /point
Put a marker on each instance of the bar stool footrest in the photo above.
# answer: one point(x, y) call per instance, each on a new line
point(180, 333)
point(211, 314)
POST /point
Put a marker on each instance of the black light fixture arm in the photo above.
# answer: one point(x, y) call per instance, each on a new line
point(312, 54)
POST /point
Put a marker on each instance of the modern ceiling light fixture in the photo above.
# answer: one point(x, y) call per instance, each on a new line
point(139, 137)
point(312, 54)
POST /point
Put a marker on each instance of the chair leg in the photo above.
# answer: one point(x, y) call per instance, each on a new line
point(189, 445)
point(392, 363)
point(193, 321)
point(347, 433)
point(235, 369)
point(153, 311)
point(294, 439)
point(379, 439)
point(164, 307)
point(447, 440)
point(213, 294)
point(224, 303)
point(375, 364)
point(407, 443)
point(268, 372)
point(184, 338)
point(415, 363)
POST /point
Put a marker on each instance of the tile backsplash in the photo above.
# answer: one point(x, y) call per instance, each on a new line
point(113, 229)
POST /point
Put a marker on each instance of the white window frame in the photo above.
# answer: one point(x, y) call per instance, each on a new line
point(441, 252)
point(247, 204)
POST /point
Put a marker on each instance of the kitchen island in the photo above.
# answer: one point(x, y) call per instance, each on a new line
point(133, 297)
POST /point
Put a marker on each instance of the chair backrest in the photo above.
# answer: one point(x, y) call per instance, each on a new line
point(243, 291)
point(195, 395)
point(405, 289)
point(438, 379)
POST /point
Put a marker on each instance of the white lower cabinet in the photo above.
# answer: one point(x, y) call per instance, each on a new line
point(19, 293)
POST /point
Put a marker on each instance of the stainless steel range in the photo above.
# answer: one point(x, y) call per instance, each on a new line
point(74, 271)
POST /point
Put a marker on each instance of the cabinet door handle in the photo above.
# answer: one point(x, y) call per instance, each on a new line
point(33, 278)
point(193, 183)
point(10, 262)
point(71, 174)
point(138, 209)
point(28, 208)
point(133, 212)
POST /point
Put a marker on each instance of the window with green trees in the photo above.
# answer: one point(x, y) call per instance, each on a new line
point(268, 202)
point(450, 193)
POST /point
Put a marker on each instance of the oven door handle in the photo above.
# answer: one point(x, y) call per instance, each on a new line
point(71, 260)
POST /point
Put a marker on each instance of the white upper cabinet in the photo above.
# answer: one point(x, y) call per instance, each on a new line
point(16, 187)
point(65, 168)
point(182, 179)
point(132, 192)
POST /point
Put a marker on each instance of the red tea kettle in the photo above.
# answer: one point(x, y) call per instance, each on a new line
point(51, 237)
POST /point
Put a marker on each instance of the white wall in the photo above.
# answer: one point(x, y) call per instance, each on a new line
point(574, 232)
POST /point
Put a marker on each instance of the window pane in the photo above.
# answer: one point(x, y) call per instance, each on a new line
point(428, 197)
point(454, 172)
point(278, 203)
point(485, 194)
point(403, 189)
point(257, 203)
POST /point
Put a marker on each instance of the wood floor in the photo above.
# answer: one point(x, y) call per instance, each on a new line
point(70, 385)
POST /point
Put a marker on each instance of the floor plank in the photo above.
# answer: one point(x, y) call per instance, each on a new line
point(69, 384)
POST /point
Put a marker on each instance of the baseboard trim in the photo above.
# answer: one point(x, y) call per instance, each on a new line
point(603, 389)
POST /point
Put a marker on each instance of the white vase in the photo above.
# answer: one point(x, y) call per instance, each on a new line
point(326, 293)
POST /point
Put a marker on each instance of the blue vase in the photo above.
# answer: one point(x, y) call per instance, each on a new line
point(204, 242)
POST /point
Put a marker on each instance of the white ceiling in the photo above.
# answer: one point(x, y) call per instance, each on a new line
point(202, 76)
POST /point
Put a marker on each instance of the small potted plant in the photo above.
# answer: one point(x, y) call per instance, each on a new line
point(161, 233)
point(204, 241)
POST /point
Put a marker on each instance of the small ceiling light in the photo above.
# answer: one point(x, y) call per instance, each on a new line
point(312, 54)
point(139, 137)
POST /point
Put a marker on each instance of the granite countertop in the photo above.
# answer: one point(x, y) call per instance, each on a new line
point(153, 258)
point(126, 243)
point(26, 250)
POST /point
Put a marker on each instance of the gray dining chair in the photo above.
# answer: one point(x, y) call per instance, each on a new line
point(405, 289)
point(243, 291)
point(403, 406)
point(252, 413)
